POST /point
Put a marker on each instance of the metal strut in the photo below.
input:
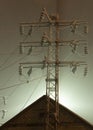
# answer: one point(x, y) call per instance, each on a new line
point(52, 81)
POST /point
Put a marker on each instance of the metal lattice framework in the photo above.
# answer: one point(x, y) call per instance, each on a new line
point(51, 61)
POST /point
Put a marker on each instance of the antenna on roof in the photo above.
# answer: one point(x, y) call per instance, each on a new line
point(51, 42)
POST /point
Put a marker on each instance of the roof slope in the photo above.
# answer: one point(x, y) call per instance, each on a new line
point(33, 117)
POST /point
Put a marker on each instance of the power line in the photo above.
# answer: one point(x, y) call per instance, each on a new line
point(19, 84)
point(11, 54)
point(35, 87)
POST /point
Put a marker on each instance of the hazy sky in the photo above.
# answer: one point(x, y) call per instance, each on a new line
point(76, 91)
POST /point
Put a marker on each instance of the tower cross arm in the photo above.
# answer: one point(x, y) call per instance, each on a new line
point(39, 64)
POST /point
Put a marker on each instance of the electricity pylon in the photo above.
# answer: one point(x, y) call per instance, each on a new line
point(51, 40)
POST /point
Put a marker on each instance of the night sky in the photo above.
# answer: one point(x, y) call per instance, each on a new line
point(76, 91)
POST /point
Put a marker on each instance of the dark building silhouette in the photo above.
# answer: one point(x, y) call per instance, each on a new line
point(33, 118)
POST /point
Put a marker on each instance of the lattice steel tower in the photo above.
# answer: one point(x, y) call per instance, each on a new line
point(51, 40)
